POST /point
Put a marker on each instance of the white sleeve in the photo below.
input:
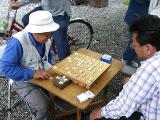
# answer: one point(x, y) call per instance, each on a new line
point(153, 4)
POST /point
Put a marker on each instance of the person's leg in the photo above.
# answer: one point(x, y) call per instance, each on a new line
point(129, 58)
point(36, 98)
point(136, 9)
point(129, 55)
point(60, 36)
point(25, 18)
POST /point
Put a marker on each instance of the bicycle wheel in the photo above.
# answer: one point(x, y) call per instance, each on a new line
point(80, 34)
point(19, 109)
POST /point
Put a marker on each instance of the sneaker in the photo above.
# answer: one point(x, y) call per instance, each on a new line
point(133, 64)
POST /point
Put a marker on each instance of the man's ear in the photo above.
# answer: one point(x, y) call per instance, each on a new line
point(149, 50)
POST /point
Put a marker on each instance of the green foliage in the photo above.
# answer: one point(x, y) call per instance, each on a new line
point(3, 25)
point(125, 2)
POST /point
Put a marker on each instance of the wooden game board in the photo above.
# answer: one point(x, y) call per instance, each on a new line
point(81, 69)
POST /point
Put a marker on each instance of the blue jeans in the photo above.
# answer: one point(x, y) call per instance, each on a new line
point(129, 55)
point(59, 36)
point(136, 9)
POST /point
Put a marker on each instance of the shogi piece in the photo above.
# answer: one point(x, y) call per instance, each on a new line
point(81, 69)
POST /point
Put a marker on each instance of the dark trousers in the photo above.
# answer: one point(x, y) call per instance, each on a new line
point(129, 55)
point(59, 36)
point(134, 116)
point(136, 9)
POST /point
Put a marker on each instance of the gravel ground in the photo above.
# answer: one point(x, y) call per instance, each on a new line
point(110, 36)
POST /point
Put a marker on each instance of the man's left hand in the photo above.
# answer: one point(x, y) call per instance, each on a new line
point(96, 114)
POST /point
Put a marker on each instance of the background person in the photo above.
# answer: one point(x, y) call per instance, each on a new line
point(142, 91)
point(26, 56)
point(154, 7)
point(61, 10)
point(136, 9)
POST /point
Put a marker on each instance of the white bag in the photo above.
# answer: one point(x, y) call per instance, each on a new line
point(154, 8)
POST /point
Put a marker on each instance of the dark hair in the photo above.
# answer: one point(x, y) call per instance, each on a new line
point(148, 30)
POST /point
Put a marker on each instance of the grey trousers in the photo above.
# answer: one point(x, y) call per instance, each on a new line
point(37, 100)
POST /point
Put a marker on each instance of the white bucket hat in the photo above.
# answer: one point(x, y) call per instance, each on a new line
point(40, 22)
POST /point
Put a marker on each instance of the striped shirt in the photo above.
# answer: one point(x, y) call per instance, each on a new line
point(141, 93)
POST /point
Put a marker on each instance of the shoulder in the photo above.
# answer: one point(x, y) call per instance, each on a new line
point(20, 34)
point(150, 69)
point(13, 44)
point(152, 63)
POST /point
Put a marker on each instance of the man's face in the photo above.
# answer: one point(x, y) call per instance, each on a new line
point(143, 52)
point(42, 37)
point(140, 50)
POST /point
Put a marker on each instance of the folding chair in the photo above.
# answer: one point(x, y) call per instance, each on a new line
point(10, 105)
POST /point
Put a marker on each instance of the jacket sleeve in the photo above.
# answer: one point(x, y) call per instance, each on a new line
point(11, 62)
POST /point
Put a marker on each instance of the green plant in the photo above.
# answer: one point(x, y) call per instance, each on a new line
point(3, 25)
point(125, 2)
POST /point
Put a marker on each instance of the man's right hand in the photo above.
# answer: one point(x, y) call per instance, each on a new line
point(14, 5)
point(41, 74)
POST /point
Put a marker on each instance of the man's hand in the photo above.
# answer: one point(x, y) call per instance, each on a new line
point(14, 5)
point(41, 74)
point(96, 114)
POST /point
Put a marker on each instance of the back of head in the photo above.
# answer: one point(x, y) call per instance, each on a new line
point(148, 30)
point(40, 22)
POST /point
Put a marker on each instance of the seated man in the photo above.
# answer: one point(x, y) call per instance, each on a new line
point(26, 56)
point(142, 91)
point(60, 10)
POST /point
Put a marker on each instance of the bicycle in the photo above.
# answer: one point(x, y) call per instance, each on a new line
point(79, 34)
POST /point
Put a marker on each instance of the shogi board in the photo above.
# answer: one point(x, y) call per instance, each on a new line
point(81, 69)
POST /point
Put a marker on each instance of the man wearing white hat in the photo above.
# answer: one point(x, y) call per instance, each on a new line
point(26, 56)
point(60, 10)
